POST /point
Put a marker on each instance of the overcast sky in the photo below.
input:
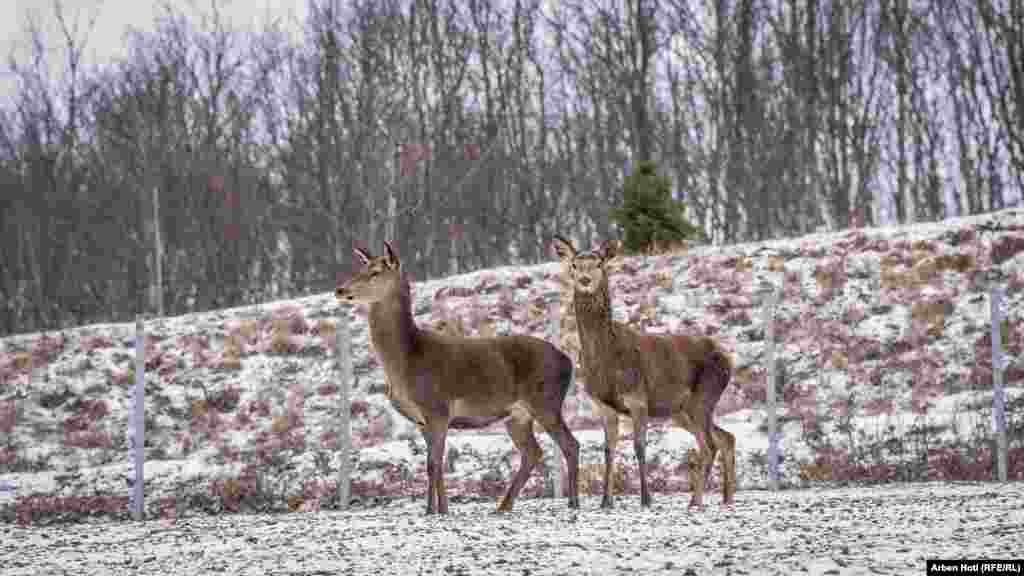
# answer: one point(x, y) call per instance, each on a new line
point(111, 20)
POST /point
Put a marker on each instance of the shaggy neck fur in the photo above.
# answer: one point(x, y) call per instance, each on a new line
point(392, 328)
point(594, 318)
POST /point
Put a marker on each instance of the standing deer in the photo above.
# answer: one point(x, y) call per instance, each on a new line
point(646, 376)
point(440, 381)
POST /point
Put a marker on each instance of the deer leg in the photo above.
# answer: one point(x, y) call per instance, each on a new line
point(431, 489)
point(696, 459)
point(611, 438)
point(639, 416)
point(712, 450)
point(726, 442)
point(520, 428)
point(556, 427)
point(435, 463)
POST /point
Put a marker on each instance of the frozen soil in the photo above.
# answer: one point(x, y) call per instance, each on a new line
point(889, 529)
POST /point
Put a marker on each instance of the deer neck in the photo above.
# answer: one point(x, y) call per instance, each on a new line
point(392, 328)
point(594, 319)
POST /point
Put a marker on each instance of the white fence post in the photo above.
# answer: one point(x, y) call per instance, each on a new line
point(558, 471)
point(998, 365)
point(137, 423)
point(344, 354)
point(773, 439)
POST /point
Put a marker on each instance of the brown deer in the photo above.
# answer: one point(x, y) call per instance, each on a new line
point(647, 376)
point(440, 381)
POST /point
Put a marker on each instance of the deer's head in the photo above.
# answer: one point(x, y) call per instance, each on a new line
point(588, 270)
point(379, 277)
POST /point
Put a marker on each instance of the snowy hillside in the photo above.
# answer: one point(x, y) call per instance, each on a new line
point(884, 343)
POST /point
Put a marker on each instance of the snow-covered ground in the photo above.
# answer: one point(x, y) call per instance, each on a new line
point(883, 339)
point(890, 529)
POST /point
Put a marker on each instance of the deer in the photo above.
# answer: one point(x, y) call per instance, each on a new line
point(442, 381)
point(647, 376)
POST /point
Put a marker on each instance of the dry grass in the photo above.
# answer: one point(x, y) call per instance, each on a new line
point(838, 360)
point(22, 361)
point(830, 277)
point(199, 409)
point(665, 280)
point(929, 269)
point(234, 349)
point(930, 315)
point(590, 479)
point(326, 329)
point(281, 340)
point(817, 471)
point(282, 424)
point(249, 331)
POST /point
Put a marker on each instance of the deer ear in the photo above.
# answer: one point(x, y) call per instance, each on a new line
point(564, 248)
point(393, 261)
point(363, 255)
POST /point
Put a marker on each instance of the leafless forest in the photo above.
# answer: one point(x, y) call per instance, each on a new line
point(246, 162)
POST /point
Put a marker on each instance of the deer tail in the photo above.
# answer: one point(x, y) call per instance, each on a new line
point(716, 372)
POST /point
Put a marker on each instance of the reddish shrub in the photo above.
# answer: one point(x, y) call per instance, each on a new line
point(949, 463)
point(85, 413)
point(506, 304)
point(8, 417)
point(122, 377)
point(359, 408)
point(154, 360)
point(1006, 248)
point(329, 440)
point(327, 389)
point(878, 406)
point(259, 408)
point(88, 439)
point(8, 457)
point(297, 324)
point(232, 492)
point(37, 508)
point(185, 439)
point(96, 342)
point(48, 347)
point(228, 451)
point(379, 429)
point(243, 420)
point(227, 399)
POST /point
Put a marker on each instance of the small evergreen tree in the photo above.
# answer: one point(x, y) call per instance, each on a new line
point(649, 216)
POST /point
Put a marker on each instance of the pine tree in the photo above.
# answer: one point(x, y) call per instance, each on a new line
point(649, 216)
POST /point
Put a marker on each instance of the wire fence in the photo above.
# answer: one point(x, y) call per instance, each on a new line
point(140, 394)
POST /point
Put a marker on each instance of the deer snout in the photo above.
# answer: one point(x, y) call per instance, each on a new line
point(584, 281)
point(342, 293)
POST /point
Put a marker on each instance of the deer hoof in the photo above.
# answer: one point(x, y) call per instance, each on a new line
point(606, 503)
